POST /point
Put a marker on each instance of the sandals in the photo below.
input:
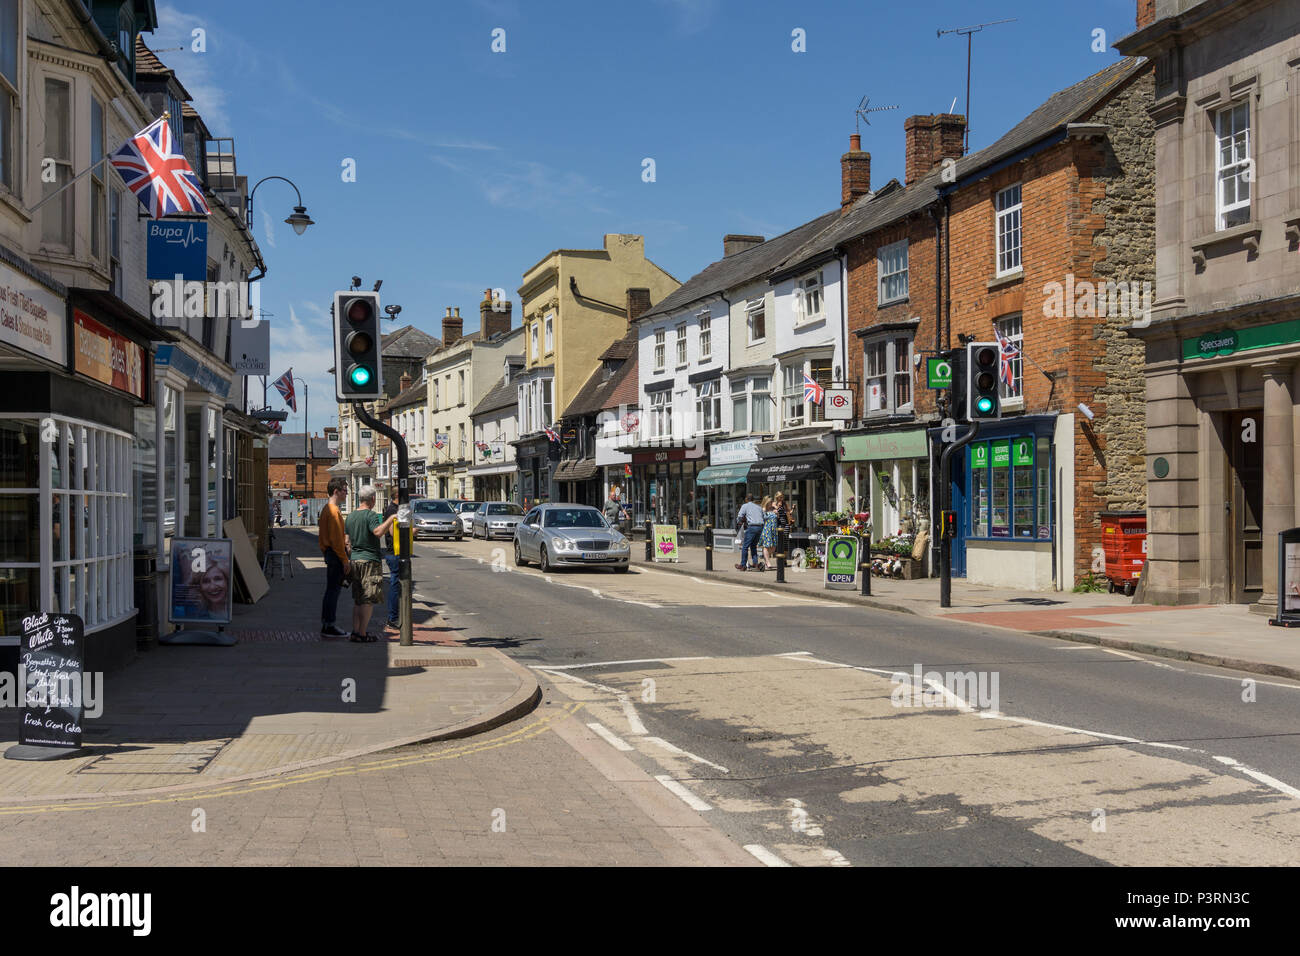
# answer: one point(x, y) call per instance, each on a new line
point(356, 638)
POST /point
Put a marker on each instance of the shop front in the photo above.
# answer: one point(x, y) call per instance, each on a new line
point(665, 488)
point(579, 482)
point(1005, 490)
point(494, 482)
point(418, 481)
point(537, 457)
point(887, 473)
point(721, 486)
point(804, 469)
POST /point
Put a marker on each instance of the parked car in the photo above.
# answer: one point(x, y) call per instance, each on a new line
point(495, 519)
point(432, 518)
point(466, 509)
point(563, 535)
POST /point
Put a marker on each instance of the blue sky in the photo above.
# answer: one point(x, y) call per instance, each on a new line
point(472, 165)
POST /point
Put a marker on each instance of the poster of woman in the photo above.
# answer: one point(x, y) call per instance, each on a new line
point(202, 580)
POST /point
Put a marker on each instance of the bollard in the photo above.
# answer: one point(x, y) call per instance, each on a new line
point(708, 547)
point(864, 563)
point(782, 542)
point(649, 541)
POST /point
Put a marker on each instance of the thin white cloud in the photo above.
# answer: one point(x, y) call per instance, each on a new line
point(197, 71)
point(526, 185)
point(268, 228)
point(693, 15)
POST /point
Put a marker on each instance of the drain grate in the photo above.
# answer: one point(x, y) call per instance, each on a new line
point(435, 662)
point(191, 757)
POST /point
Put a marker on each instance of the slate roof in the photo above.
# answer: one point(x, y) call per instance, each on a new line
point(893, 201)
point(502, 395)
point(291, 445)
point(741, 267)
point(409, 342)
point(625, 389)
point(148, 64)
point(412, 396)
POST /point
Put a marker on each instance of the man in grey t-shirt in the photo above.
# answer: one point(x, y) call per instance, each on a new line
point(749, 521)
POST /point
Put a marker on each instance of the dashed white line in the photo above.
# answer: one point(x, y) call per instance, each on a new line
point(629, 712)
point(688, 798)
point(673, 748)
point(642, 660)
point(1263, 778)
point(835, 857)
point(766, 856)
point(618, 743)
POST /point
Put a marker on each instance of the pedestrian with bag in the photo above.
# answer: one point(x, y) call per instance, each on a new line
point(767, 539)
point(364, 528)
point(333, 541)
point(749, 523)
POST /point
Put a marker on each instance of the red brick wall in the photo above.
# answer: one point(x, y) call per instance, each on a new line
point(281, 473)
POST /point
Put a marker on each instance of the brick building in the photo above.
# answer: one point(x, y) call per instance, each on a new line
point(289, 471)
point(1013, 237)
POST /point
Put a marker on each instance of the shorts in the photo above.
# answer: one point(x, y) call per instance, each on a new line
point(367, 582)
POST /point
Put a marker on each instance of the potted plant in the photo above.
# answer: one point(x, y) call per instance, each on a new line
point(894, 553)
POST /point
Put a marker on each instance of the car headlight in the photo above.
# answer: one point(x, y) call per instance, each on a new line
point(619, 545)
point(565, 544)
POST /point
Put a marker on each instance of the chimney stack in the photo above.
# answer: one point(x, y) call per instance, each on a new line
point(733, 243)
point(1146, 13)
point(404, 382)
point(638, 304)
point(855, 173)
point(452, 328)
point(490, 322)
point(931, 140)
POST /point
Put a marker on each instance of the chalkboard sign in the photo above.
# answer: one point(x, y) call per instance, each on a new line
point(52, 658)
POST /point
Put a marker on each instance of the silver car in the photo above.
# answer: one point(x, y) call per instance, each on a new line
point(431, 518)
point(496, 519)
point(559, 536)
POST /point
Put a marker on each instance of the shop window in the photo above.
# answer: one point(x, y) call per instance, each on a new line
point(1010, 488)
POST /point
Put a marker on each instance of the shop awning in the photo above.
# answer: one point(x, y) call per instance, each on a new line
point(723, 474)
point(578, 469)
point(791, 468)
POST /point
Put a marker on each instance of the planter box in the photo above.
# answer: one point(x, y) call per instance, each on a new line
point(911, 567)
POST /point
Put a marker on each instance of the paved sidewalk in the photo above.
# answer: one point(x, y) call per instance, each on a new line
point(1227, 635)
point(282, 699)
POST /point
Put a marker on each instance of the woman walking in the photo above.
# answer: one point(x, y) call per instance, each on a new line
point(768, 538)
point(784, 513)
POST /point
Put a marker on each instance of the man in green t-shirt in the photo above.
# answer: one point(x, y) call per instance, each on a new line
point(364, 528)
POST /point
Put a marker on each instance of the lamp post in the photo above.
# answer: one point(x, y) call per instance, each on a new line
point(306, 442)
point(298, 219)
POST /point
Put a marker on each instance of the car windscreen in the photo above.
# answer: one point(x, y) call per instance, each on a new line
point(469, 506)
point(432, 507)
point(574, 518)
point(505, 510)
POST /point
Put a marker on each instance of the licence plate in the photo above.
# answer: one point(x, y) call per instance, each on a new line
point(594, 556)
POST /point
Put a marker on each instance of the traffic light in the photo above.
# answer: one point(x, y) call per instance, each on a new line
point(949, 529)
point(358, 370)
point(982, 395)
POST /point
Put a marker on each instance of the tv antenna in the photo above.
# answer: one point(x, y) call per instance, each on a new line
point(968, 32)
point(861, 113)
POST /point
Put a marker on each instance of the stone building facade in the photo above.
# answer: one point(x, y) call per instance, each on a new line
point(1223, 344)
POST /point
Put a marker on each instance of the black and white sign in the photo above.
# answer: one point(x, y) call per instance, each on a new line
point(250, 347)
point(52, 658)
point(839, 404)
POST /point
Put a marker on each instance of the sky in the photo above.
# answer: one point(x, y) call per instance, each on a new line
point(472, 164)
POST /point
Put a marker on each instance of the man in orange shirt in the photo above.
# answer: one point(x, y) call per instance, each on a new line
point(334, 545)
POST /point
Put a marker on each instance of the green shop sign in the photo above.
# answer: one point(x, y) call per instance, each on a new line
point(841, 562)
point(1022, 451)
point(938, 372)
point(1229, 341)
point(1001, 453)
point(979, 455)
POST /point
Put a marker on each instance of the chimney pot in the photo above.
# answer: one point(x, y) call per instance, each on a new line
point(491, 322)
point(855, 173)
point(930, 140)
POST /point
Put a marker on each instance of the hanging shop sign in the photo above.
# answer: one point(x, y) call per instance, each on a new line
point(177, 247)
point(839, 404)
point(665, 549)
point(32, 317)
point(250, 347)
point(842, 562)
point(102, 354)
point(938, 372)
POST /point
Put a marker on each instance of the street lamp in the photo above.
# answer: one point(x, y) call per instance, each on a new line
point(299, 219)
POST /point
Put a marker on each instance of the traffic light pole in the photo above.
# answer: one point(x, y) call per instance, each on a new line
point(403, 531)
point(945, 495)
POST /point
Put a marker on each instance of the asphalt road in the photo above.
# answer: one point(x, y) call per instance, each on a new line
point(796, 701)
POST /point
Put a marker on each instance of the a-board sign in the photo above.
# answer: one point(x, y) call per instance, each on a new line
point(202, 581)
point(665, 549)
point(246, 566)
point(841, 562)
point(52, 660)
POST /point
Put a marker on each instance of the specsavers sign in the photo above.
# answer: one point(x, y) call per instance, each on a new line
point(32, 317)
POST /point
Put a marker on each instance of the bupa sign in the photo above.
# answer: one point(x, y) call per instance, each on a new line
point(178, 247)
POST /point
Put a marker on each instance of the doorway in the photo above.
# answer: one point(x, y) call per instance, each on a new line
point(1245, 505)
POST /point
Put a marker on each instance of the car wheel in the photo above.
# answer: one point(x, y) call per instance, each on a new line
point(545, 562)
point(519, 557)
point(459, 537)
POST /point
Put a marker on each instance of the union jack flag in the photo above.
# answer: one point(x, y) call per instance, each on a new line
point(552, 434)
point(1007, 353)
point(812, 392)
point(440, 440)
point(154, 168)
point(276, 428)
point(284, 385)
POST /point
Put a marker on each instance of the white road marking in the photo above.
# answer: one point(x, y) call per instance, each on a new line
point(799, 819)
point(1263, 778)
point(686, 753)
point(1140, 660)
point(688, 798)
point(643, 660)
point(629, 712)
point(765, 855)
point(835, 857)
point(618, 743)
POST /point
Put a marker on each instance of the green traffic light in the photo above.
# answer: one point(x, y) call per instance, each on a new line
point(984, 405)
point(360, 376)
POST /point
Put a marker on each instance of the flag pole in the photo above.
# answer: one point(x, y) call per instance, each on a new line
point(89, 169)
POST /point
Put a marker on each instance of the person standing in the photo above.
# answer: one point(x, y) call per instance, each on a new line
point(749, 522)
point(767, 540)
point(333, 542)
point(614, 508)
point(393, 562)
point(364, 528)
